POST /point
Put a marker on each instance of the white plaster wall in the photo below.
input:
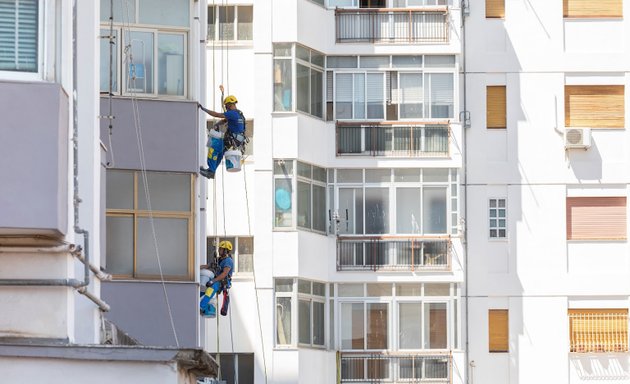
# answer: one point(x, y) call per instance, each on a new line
point(317, 366)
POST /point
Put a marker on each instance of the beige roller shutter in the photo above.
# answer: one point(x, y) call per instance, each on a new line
point(498, 330)
point(594, 106)
point(593, 8)
point(496, 107)
point(596, 218)
point(495, 9)
point(598, 330)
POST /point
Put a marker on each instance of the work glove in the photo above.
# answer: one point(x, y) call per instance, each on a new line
point(210, 283)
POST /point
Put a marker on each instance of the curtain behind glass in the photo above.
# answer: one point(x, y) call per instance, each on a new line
point(19, 35)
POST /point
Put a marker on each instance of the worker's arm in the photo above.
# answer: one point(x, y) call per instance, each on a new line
point(221, 276)
point(211, 113)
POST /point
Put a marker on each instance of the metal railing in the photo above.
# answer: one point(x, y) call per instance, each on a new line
point(398, 368)
point(599, 332)
point(384, 25)
point(379, 139)
point(393, 253)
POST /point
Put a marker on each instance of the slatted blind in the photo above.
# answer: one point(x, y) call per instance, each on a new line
point(18, 35)
point(598, 330)
point(592, 8)
point(496, 106)
point(596, 218)
point(495, 9)
point(498, 330)
point(594, 106)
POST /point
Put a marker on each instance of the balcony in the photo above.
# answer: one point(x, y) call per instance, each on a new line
point(391, 253)
point(392, 25)
point(398, 368)
point(389, 140)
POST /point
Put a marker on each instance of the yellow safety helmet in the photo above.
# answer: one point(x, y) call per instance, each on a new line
point(230, 100)
point(226, 244)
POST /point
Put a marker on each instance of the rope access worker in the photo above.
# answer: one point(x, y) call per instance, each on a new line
point(234, 136)
point(220, 283)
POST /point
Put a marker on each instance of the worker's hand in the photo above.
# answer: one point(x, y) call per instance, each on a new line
point(221, 88)
point(199, 105)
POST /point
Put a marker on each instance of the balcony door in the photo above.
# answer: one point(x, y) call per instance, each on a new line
point(373, 4)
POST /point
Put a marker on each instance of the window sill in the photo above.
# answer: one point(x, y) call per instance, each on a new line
point(17, 76)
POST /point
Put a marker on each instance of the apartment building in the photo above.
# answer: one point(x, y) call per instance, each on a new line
point(79, 304)
point(347, 216)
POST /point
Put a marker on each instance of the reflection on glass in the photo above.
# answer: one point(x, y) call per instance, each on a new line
point(283, 202)
point(171, 64)
point(139, 65)
point(120, 245)
point(283, 100)
point(283, 320)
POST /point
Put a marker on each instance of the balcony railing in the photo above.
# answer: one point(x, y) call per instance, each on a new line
point(393, 253)
point(394, 369)
point(392, 25)
point(401, 140)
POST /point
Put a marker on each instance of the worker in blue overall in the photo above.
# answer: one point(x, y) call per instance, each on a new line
point(234, 136)
point(220, 283)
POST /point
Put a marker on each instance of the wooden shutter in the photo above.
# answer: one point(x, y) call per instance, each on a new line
point(592, 8)
point(596, 218)
point(498, 330)
point(594, 106)
point(598, 330)
point(437, 328)
point(495, 9)
point(496, 107)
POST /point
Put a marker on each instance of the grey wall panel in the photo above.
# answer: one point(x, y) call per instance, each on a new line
point(34, 131)
point(169, 134)
point(139, 308)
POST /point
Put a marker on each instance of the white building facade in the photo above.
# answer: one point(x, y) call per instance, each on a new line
point(427, 190)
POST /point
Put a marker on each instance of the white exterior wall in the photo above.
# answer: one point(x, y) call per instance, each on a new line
point(536, 273)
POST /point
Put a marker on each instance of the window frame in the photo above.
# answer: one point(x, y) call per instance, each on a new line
point(235, 25)
point(45, 33)
point(497, 228)
point(135, 213)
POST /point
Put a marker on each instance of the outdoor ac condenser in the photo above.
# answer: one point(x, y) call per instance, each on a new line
point(577, 138)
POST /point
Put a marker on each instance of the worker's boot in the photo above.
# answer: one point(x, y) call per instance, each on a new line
point(207, 173)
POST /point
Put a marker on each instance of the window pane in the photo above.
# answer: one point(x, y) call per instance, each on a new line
point(376, 210)
point(331, 321)
point(351, 210)
point(408, 210)
point(375, 96)
point(374, 62)
point(167, 191)
point(245, 262)
point(171, 236)
point(432, 175)
point(284, 285)
point(343, 96)
point(349, 176)
point(119, 189)
point(319, 289)
point(434, 210)
point(408, 289)
point(283, 198)
point(350, 290)
point(440, 95)
point(341, 61)
point(104, 65)
point(359, 96)
point(164, 12)
point(18, 35)
point(377, 175)
point(139, 73)
point(119, 257)
point(302, 88)
point(282, 167)
point(318, 323)
point(407, 61)
point(352, 327)
point(245, 22)
point(437, 289)
point(304, 205)
point(407, 175)
point(304, 170)
point(282, 85)
point(317, 93)
point(171, 64)
point(246, 245)
point(319, 208)
point(226, 23)
point(124, 11)
point(304, 286)
point(409, 323)
point(377, 326)
point(304, 321)
point(282, 50)
point(411, 95)
point(379, 289)
point(212, 16)
point(435, 325)
point(283, 320)
point(439, 61)
point(319, 174)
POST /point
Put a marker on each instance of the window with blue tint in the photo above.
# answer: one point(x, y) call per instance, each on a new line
point(19, 30)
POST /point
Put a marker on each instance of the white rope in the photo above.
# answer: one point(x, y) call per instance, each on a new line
point(138, 130)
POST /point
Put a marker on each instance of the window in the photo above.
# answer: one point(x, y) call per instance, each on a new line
point(596, 218)
point(495, 9)
point(309, 79)
point(498, 330)
point(390, 87)
point(598, 330)
point(497, 216)
point(236, 367)
point(133, 230)
point(310, 300)
point(19, 34)
point(496, 107)
point(150, 61)
point(230, 23)
point(398, 201)
point(242, 253)
point(310, 183)
point(593, 8)
point(594, 106)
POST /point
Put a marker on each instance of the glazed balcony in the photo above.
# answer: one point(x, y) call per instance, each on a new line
point(392, 25)
point(394, 253)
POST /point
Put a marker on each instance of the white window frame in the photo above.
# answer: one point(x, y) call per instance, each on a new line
point(45, 33)
point(235, 40)
point(497, 227)
point(312, 298)
point(365, 108)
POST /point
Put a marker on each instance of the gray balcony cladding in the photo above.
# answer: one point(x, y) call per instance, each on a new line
point(169, 134)
point(34, 131)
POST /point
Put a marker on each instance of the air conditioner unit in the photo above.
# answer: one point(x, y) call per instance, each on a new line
point(577, 138)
